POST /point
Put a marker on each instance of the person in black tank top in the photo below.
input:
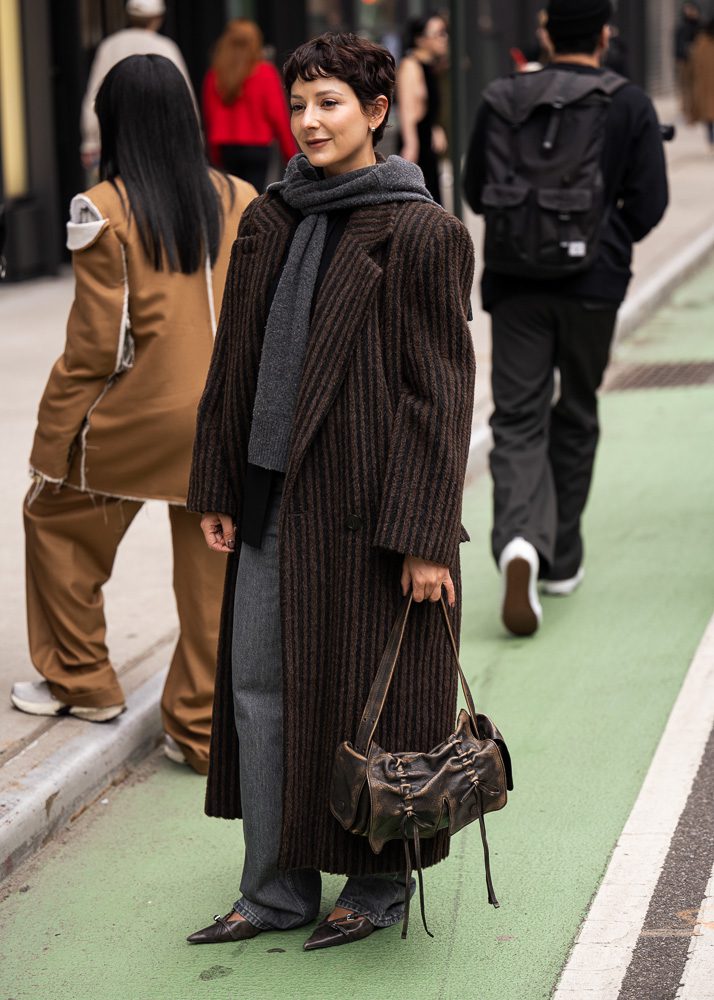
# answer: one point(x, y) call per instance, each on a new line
point(422, 139)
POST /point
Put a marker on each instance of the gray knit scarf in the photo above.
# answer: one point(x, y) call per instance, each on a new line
point(288, 326)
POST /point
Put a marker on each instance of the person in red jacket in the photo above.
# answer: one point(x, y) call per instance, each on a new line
point(244, 106)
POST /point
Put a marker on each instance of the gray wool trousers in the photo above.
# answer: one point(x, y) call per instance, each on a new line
point(271, 898)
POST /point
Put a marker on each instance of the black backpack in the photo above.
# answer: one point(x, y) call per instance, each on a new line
point(543, 200)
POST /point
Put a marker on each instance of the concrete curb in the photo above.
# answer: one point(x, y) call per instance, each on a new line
point(654, 292)
point(635, 311)
point(44, 797)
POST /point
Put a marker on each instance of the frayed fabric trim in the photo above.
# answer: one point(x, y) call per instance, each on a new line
point(41, 481)
point(122, 496)
point(125, 348)
point(85, 432)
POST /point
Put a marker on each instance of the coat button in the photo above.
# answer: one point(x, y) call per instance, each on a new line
point(353, 522)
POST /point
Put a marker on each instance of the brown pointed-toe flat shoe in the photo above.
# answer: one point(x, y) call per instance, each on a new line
point(224, 930)
point(344, 930)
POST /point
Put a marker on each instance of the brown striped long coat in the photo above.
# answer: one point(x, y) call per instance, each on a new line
point(376, 470)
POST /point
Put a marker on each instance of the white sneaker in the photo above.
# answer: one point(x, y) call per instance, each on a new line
point(521, 611)
point(35, 698)
point(562, 588)
point(173, 751)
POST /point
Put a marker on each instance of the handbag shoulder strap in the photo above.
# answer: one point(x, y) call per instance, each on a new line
point(462, 677)
point(385, 672)
point(382, 680)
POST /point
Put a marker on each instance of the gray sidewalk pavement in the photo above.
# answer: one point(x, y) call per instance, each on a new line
point(50, 769)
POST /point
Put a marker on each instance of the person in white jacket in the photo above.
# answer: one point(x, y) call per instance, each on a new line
point(140, 38)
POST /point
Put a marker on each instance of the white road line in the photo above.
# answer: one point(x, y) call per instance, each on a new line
point(604, 946)
point(698, 978)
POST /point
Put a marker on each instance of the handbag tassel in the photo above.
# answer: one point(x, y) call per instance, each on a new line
point(408, 875)
point(486, 863)
point(475, 790)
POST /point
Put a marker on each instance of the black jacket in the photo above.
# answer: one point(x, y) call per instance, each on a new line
point(635, 177)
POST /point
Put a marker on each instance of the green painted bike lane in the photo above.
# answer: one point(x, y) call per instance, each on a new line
point(102, 913)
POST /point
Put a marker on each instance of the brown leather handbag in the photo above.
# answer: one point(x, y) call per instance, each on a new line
point(409, 795)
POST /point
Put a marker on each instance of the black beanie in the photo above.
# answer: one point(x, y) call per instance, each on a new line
point(577, 18)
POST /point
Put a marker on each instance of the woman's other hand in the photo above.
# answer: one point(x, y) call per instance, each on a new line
point(425, 579)
point(219, 532)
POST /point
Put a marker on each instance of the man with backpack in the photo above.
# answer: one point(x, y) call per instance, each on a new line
point(566, 164)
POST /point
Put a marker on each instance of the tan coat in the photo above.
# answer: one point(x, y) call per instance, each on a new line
point(702, 68)
point(118, 414)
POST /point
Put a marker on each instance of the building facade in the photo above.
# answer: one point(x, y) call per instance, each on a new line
point(46, 49)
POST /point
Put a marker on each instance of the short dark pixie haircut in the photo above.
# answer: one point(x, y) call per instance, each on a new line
point(369, 69)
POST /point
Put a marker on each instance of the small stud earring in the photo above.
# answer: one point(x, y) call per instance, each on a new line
point(372, 129)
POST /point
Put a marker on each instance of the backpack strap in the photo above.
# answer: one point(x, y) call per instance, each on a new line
point(611, 82)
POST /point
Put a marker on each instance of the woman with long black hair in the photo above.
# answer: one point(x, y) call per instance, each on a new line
point(330, 456)
point(150, 247)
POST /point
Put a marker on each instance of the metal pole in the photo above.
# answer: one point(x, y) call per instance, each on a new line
point(457, 32)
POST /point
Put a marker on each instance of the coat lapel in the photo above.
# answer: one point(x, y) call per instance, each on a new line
point(347, 295)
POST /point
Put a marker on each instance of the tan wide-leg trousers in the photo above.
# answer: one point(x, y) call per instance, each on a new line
point(71, 542)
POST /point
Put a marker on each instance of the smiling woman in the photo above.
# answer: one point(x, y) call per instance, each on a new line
point(340, 102)
point(329, 128)
point(334, 433)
